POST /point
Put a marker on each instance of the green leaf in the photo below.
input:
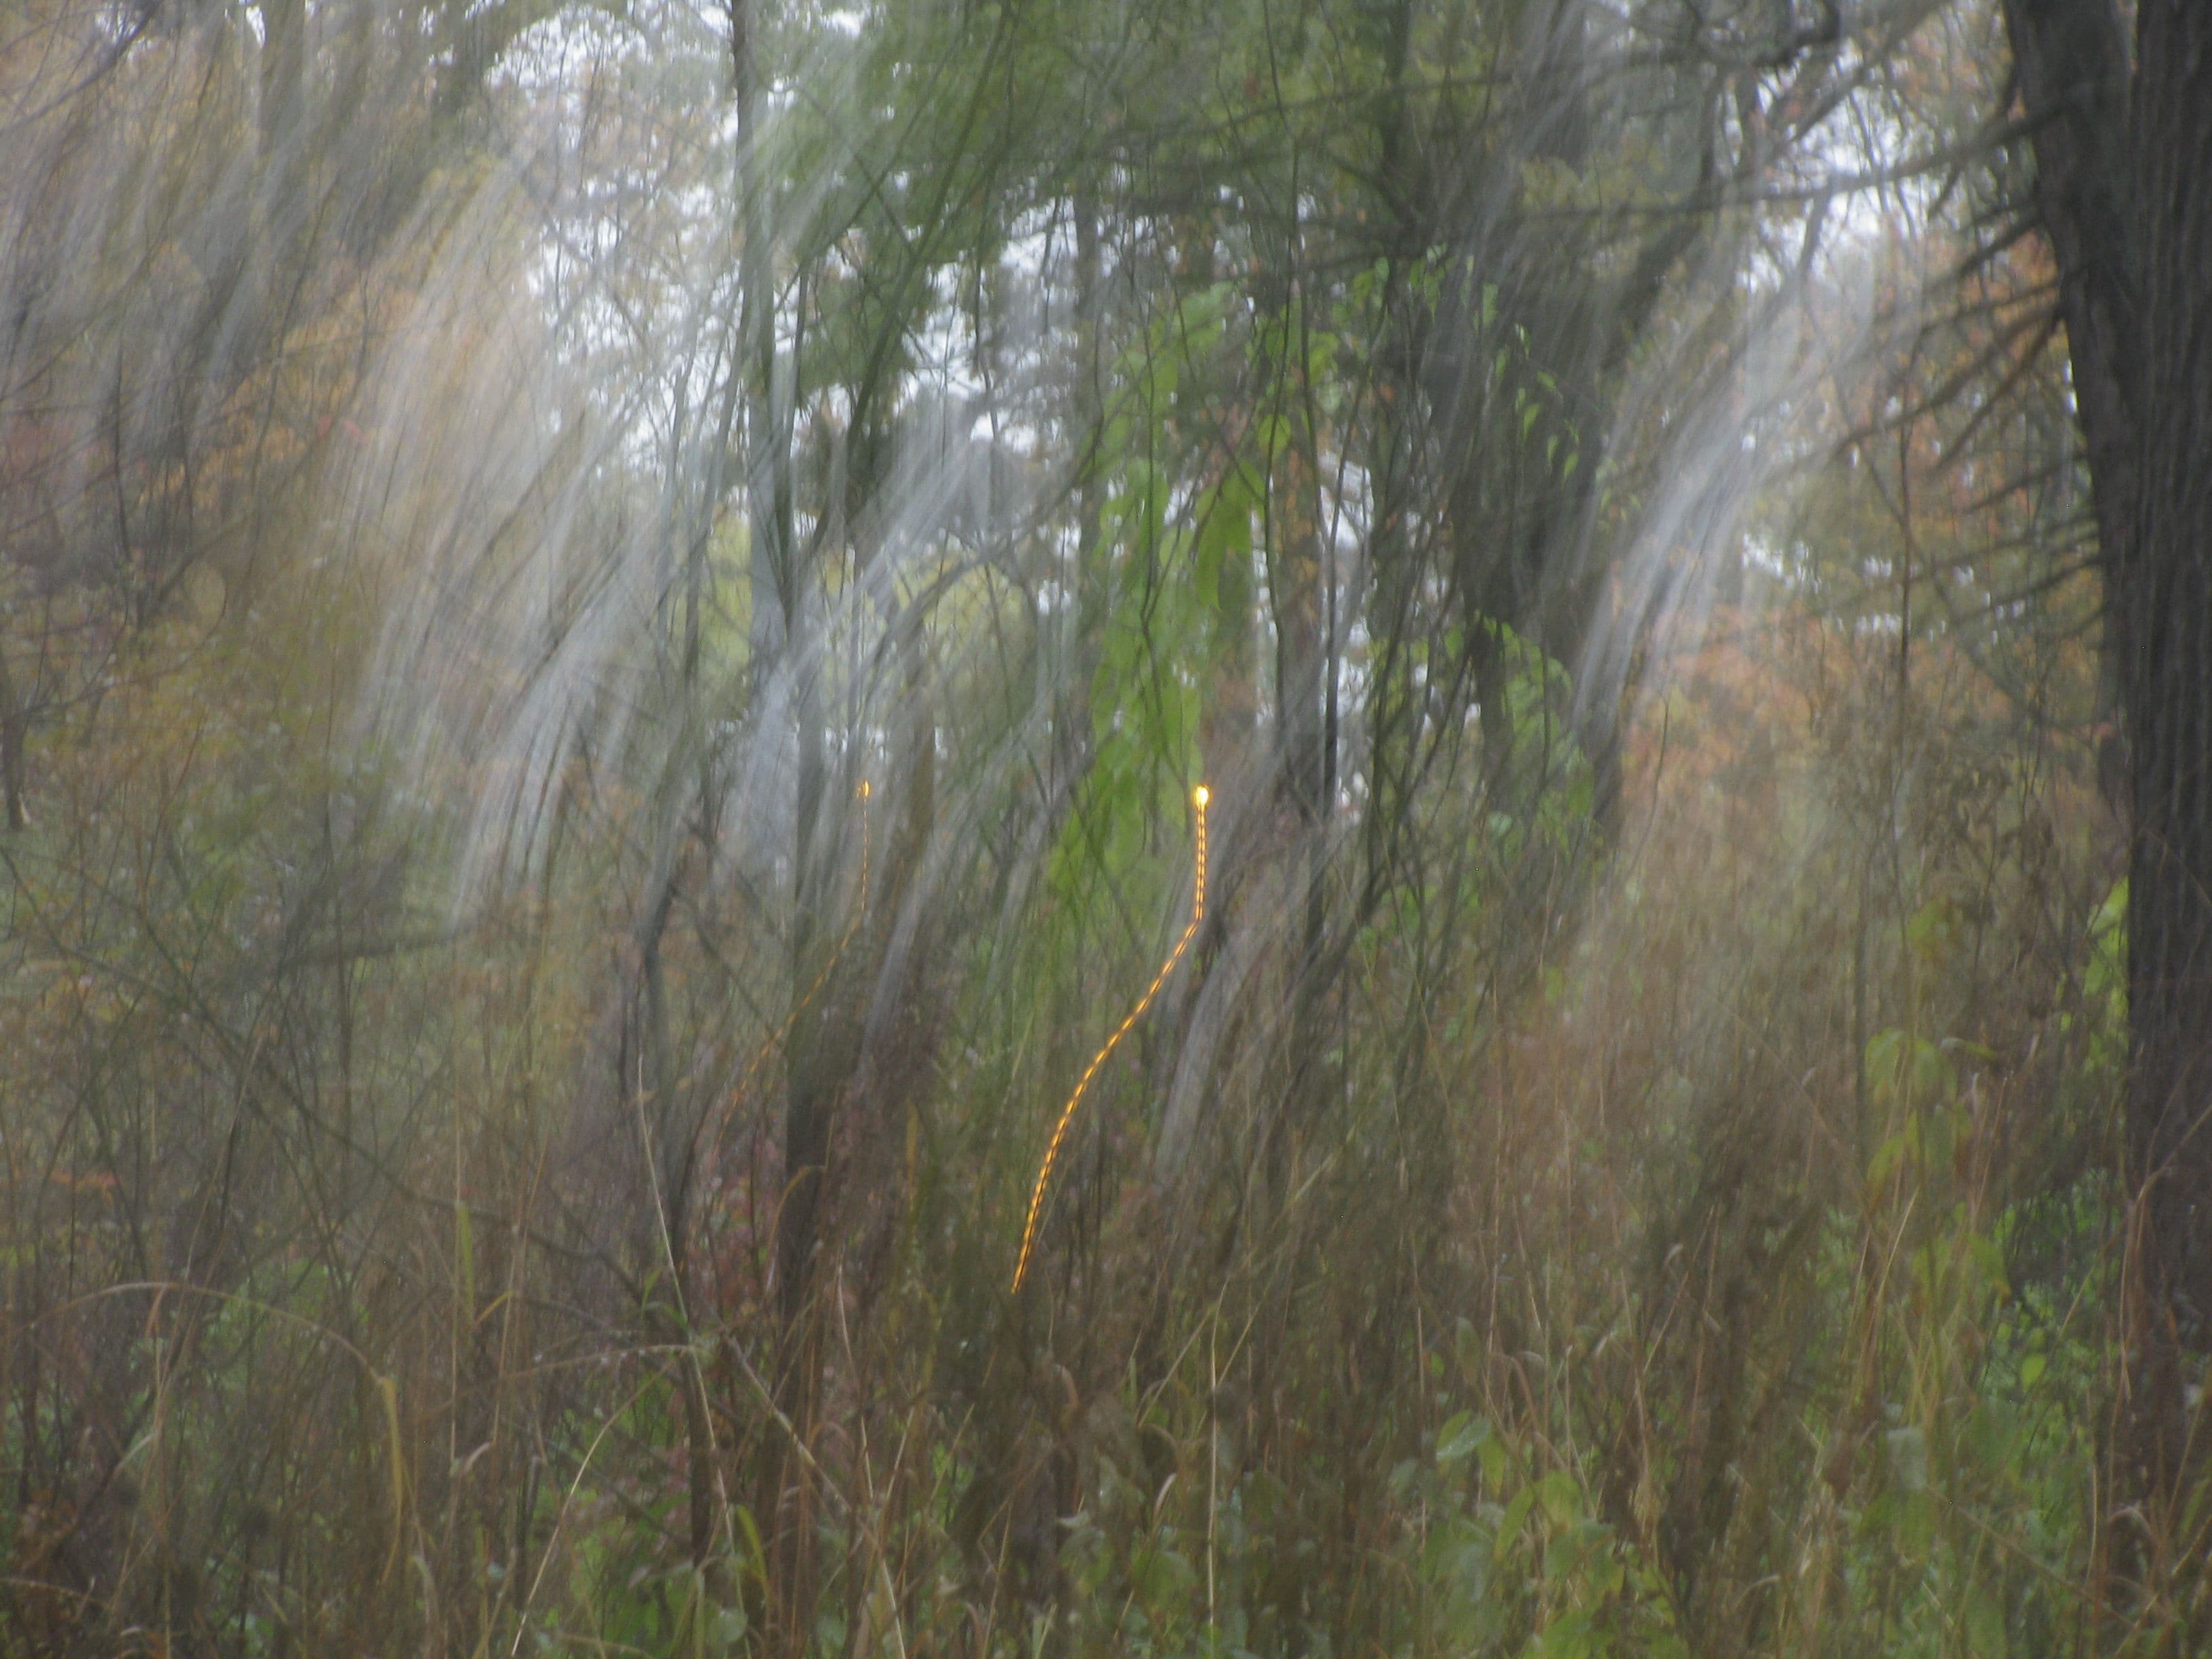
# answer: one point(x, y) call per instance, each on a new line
point(1497, 1461)
point(1883, 1164)
point(1460, 1438)
point(1562, 1497)
point(1985, 1625)
point(1569, 1636)
point(1516, 1516)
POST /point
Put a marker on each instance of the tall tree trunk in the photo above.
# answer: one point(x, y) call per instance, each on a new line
point(2166, 608)
point(2071, 58)
point(780, 653)
point(2125, 195)
point(15, 724)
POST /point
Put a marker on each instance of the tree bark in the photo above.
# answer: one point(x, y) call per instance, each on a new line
point(2166, 610)
point(14, 730)
point(2125, 191)
point(2071, 58)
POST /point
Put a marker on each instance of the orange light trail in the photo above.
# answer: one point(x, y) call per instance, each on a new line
point(1198, 798)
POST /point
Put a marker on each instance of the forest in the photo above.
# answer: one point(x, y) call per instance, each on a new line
point(1048, 828)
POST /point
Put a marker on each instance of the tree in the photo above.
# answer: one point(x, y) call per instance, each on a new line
point(2124, 189)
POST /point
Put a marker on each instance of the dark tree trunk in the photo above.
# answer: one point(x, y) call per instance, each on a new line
point(2166, 612)
point(2070, 58)
point(14, 724)
point(2125, 191)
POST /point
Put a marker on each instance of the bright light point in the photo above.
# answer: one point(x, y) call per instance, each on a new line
point(1200, 795)
point(865, 790)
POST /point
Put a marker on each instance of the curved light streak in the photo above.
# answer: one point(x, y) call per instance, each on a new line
point(1198, 798)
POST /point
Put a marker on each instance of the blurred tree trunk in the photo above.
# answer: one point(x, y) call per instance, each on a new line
point(282, 91)
point(2125, 195)
point(14, 723)
point(779, 654)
